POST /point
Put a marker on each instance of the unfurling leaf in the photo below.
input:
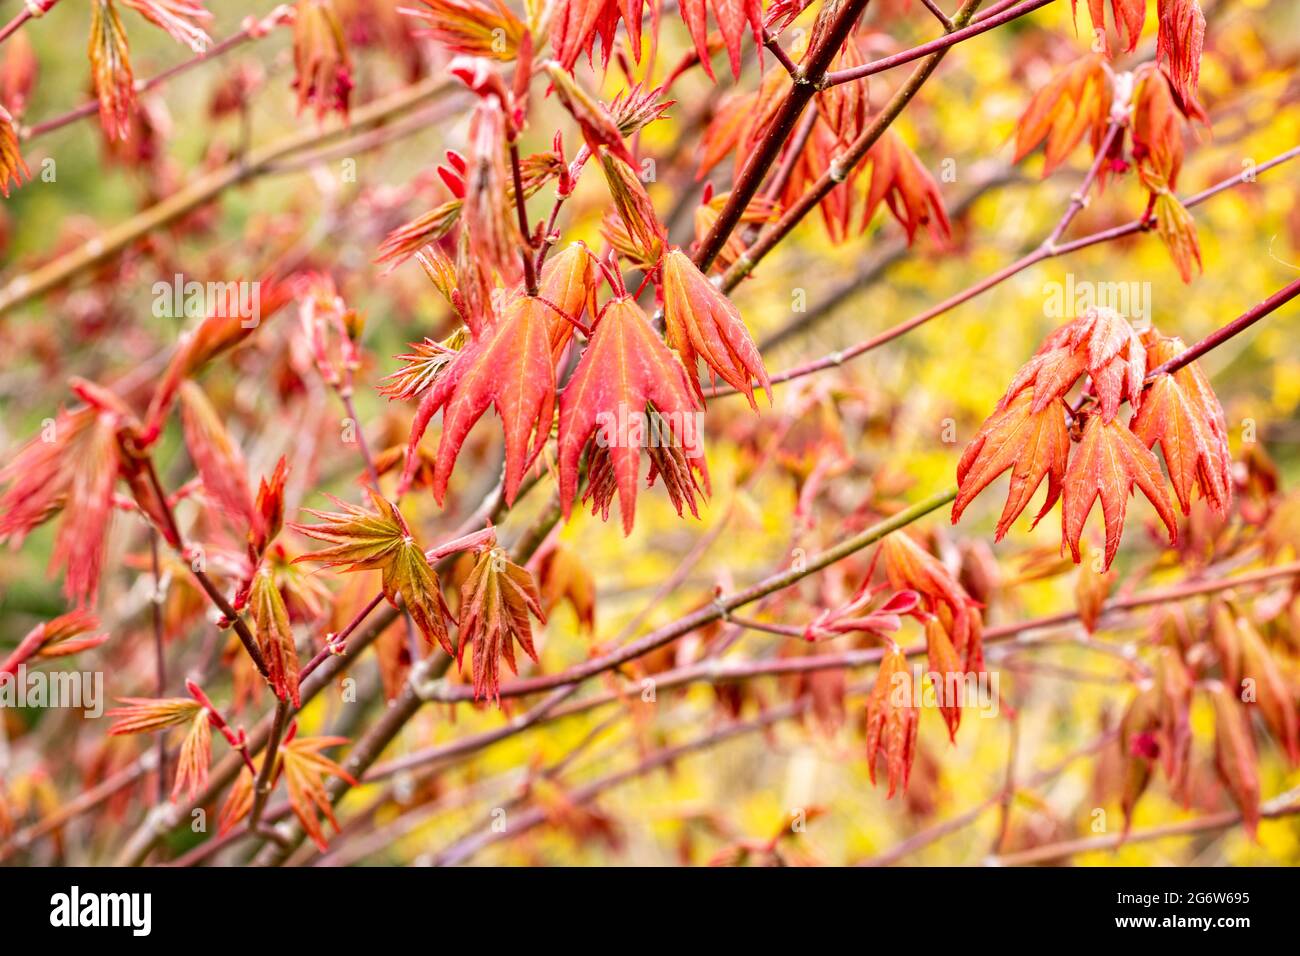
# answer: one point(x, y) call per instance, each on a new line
point(409, 238)
point(892, 721)
point(1074, 102)
point(909, 567)
point(110, 64)
point(625, 366)
point(194, 758)
point(177, 18)
point(509, 366)
point(900, 180)
point(1033, 444)
point(425, 363)
point(268, 509)
point(567, 286)
point(59, 637)
point(147, 715)
point(322, 65)
point(12, 167)
point(646, 233)
point(703, 323)
point(1182, 414)
point(944, 665)
point(496, 600)
point(1091, 588)
point(1234, 754)
point(217, 458)
point(488, 213)
point(486, 28)
point(1177, 230)
point(275, 636)
point(1109, 461)
point(364, 540)
point(597, 125)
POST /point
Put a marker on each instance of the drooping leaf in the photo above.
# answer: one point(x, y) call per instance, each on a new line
point(944, 665)
point(732, 17)
point(626, 365)
point(215, 454)
point(1033, 444)
point(1234, 754)
point(275, 636)
point(703, 323)
point(892, 721)
point(1075, 102)
point(509, 366)
point(110, 64)
point(906, 187)
point(909, 567)
point(12, 167)
point(194, 758)
point(1177, 230)
point(1127, 17)
point(1108, 462)
point(496, 600)
point(322, 64)
point(1182, 414)
point(634, 207)
point(1179, 43)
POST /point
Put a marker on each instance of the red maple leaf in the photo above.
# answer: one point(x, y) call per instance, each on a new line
point(1033, 444)
point(732, 17)
point(1183, 414)
point(625, 367)
point(509, 366)
point(1109, 461)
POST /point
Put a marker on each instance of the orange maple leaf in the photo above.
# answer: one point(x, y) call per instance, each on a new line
point(906, 187)
point(507, 365)
point(892, 721)
point(1033, 444)
point(496, 600)
point(703, 323)
point(625, 366)
point(1182, 414)
point(1100, 342)
point(1074, 102)
point(1109, 461)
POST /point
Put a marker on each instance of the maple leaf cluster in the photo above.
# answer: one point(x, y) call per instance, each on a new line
point(1090, 455)
point(517, 336)
point(1137, 121)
